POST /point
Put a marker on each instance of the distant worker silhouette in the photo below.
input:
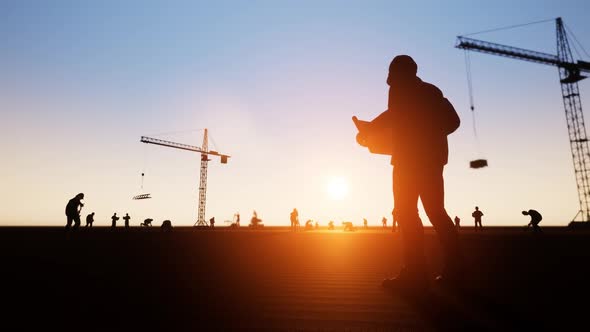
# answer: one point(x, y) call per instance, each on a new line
point(212, 222)
point(477, 214)
point(331, 225)
point(294, 217)
point(90, 220)
point(420, 118)
point(166, 225)
point(536, 218)
point(365, 223)
point(457, 222)
point(126, 218)
point(384, 222)
point(255, 222)
point(309, 225)
point(73, 209)
point(114, 219)
point(348, 226)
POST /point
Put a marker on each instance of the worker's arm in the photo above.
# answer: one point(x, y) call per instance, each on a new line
point(451, 118)
point(383, 120)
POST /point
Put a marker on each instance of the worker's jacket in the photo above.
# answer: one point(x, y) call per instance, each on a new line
point(420, 118)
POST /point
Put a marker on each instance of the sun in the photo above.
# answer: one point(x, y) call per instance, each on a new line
point(337, 188)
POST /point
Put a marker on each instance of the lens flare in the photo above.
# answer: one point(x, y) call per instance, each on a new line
point(337, 188)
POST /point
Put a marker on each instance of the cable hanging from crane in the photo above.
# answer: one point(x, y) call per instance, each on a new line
point(481, 162)
point(477, 163)
point(142, 194)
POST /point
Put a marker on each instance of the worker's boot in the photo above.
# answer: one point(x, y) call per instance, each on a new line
point(409, 281)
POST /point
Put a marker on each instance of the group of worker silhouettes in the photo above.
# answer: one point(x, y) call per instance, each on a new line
point(74, 209)
point(536, 218)
point(477, 215)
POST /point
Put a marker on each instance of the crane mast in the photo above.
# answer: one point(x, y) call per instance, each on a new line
point(205, 153)
point(203, 181)
point(569, 76)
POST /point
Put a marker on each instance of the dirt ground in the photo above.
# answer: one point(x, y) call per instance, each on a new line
point(273, 279)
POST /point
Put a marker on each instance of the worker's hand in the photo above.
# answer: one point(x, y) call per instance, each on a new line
point(361, 139)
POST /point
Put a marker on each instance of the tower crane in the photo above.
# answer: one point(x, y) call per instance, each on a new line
point(205, 153)
point(570, 73)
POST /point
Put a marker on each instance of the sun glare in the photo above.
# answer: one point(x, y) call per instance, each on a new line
point(337, 188)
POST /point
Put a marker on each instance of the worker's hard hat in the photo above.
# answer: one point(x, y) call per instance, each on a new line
point(403, 65)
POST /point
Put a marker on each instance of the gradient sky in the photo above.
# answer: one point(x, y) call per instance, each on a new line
point(276, 83)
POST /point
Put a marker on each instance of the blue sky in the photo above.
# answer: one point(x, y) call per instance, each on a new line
point(276, 83)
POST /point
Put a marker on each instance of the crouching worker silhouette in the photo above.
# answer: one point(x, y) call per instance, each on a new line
point(419, 118)
point(536, 218)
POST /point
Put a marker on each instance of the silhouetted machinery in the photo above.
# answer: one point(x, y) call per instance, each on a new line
point(205, 153)
point(569, 76)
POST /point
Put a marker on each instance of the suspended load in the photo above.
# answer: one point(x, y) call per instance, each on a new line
point(142, 196)
point(478, 163)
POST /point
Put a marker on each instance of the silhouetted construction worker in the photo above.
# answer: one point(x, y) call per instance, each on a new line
point(348, 226)
point(126, 218)
point(212, 222)
point(114, 219)
point(73, 209)
point(365, 223)
point(331, 225)
point(477, 214)
point(294, 217)
point(237, 219)
point(166, 225)
point(309, 225)
point(255, 222)
point(147, 222)
point(384, 222)
point(90, 220)
point(536, 218)
point(457, 222)
point(420, 118)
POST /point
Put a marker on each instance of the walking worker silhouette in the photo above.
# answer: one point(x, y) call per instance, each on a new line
point(477, 214)
point(294, 218)
point(536, 218)
point(419, 118)
point(73, 209)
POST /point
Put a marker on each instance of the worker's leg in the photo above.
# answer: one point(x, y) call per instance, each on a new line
point(432, 195)
point(76, 222)
point(69, 222)
point(406, 208)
